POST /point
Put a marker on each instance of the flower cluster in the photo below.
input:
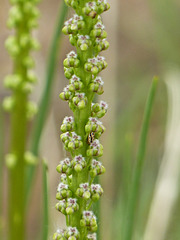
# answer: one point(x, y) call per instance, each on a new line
point(80, 133)
point(71, 234)
point(22, 18)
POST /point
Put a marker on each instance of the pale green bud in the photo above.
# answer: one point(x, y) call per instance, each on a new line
point(27, 87)
point(8, 103)
point(35, 44)
point(32, 109)
point(15, 14)
point(24, 40)
point(11, 160)
point(28, 62)
point(12, 46)
point(30, 158)
point(12, 81)
point(31, 77)
point(84, 47)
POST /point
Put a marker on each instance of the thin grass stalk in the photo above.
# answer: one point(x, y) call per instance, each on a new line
point(167, 185)
point(135, 185)
point(1, 171)
point(45, 202)
point(44, 103)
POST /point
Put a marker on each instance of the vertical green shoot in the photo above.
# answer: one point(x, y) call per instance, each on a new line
point(45, 201)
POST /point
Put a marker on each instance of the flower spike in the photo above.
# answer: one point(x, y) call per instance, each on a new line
point(81, 132)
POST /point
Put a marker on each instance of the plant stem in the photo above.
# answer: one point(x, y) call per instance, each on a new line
point(16, 174)
point(81, 118)
point(22, 18)
point(18, 145)
point(45, 202)
point(44, 103)
point(1, 171)
point(135, 185)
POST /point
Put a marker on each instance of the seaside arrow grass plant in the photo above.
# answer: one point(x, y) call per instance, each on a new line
point(81, 132)
point(22, 19)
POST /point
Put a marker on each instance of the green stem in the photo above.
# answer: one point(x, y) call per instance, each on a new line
point(134, 189)
point(45, 100)
point(16, 174)
point(1, 171)
point(81, 118)
point(45, 202)
point(18, 145)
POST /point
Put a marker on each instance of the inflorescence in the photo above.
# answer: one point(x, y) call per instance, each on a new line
point(23, 17)
point(76, 191)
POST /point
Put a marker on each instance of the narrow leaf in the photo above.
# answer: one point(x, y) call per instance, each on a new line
point(135, 185)
point(44, 103)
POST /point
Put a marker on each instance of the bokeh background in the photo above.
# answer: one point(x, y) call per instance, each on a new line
point(144, 41)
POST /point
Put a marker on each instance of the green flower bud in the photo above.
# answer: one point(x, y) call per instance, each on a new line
point(95, 126)
point(66, 94)
point(72, 233)
point(65, 166)
point(99, 109)
point(24, 40)
point(96, 168)
point(15, 15)
point(71, 206)
point(66, 30)
point(28, 62)
point(83, 191)
point(30, 158)
point(83, 42)
point(80, 100)
point(61, 206)
point(101, 44)
point(12, 46)
point(96, 191)
point(71, 60)
point(63, 191)
point(68, 72)
point(8, 104)
point(32, 23)
point(32, 109)
point(31, 77)
point(68, 124)
point(12, 81)
point(89, 220)
point(90, 9)
point(72, 39)
point(91, 236)
point(27, 87)
point(11, 160)
point(78, 163)
point(95, 149)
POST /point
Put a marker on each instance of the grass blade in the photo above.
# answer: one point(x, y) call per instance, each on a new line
point(44, 103)
point(45, 202)
point(134, 189)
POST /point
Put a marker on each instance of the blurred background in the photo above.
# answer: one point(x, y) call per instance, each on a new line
point(144, 41)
